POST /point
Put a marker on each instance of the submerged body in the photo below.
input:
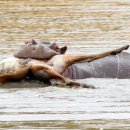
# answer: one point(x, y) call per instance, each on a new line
point(13, 69)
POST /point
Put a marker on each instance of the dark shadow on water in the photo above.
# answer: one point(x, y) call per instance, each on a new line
point(25, 84)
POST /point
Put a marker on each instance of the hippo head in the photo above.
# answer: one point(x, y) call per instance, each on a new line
point(56, 48)
point(38, 50)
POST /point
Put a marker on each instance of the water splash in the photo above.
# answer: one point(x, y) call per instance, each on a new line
point(93, 68)
point(118, 66)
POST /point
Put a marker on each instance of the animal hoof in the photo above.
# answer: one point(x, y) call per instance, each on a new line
point(57, 82)
point(126, 47)
point(87, 86)
point(120, 50)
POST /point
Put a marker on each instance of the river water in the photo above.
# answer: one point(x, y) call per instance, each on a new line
point(85, 26)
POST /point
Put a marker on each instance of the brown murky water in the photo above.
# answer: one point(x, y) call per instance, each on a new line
point(86, 26)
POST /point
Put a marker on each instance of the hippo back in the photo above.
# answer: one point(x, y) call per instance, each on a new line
point(114, 66)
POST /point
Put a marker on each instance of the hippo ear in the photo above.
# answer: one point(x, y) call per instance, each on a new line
point(34, 42)
point(63, 50)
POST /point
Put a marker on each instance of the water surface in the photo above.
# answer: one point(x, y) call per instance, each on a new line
point(86, 26)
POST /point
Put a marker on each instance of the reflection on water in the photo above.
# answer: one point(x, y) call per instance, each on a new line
point(30, 104)
point(86, 26)
point(96, 23)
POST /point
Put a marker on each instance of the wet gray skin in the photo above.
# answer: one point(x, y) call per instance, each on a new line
point(114, 66)
point(39, 50)
point(35, 50)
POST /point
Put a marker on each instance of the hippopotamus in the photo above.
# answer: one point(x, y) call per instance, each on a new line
point(111, 66)
point(13, 69)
